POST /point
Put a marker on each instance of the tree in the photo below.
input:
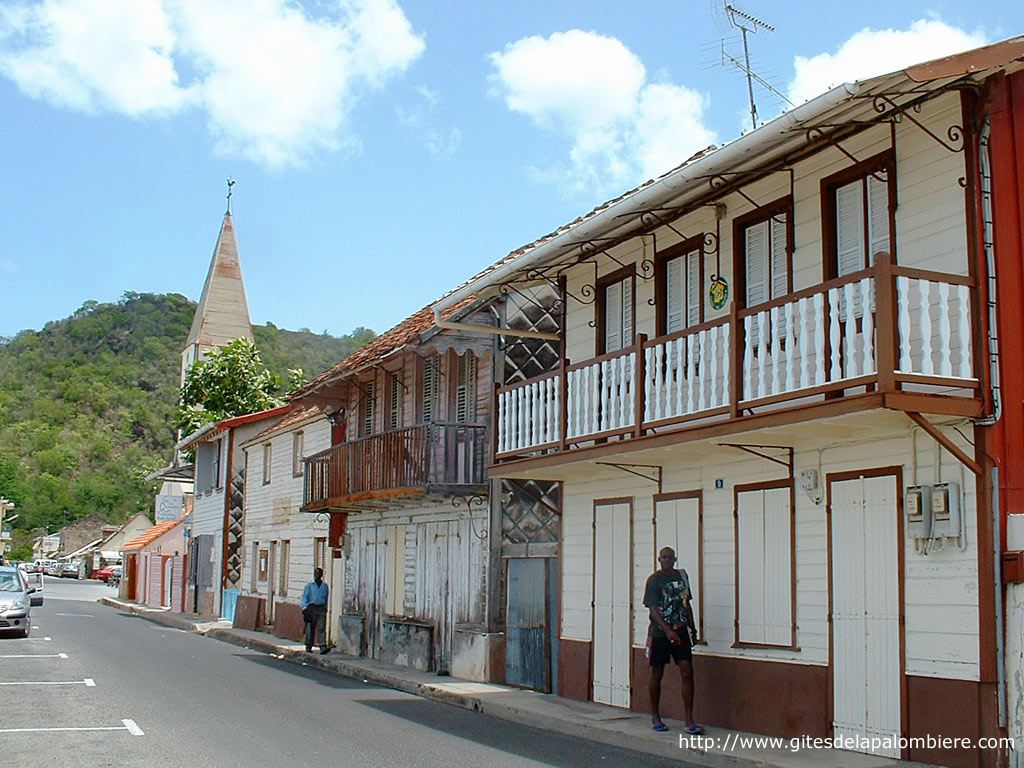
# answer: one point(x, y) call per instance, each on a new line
point(232, 381)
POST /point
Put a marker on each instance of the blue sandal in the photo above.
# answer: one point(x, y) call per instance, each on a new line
point(695, 730)
point(659, 727)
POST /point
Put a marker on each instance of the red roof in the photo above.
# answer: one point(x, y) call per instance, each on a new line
point(237, 421)
point(151, 535)
point(406, 332)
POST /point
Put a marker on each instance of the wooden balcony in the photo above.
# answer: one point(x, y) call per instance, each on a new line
point(887, 336)
point(400, 468)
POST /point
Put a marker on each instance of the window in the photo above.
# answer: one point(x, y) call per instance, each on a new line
point(857, 206)
point(615, 310)
point(217, 450)
point(266, 463)
point(320, 552)
point(762, 251)
point(679, 281)
point(431, 387)
point(395, 401)
point(204, 467)
point(297, 439)
point(369, 403)
point(465, 389)
point(764, 564)
point(282, 582)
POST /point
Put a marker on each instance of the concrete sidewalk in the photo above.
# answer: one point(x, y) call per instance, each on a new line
point(719, 748)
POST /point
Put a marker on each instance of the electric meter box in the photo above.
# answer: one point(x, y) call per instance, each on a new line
point(917, 506)
point(946, 510)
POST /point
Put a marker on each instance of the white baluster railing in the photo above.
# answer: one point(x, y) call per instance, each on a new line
point(934, 328)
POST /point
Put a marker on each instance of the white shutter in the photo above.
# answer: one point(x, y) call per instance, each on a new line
point(395, 416)
point(693, 287)
point(779, 259)
point(431, 374)
point(368, 407)
point(627, 312)
point(757, 263)
point(613, 317)
point(675, 296)
point(750, 556)
point(850, 227)
point(778, 590)
point(878, 217)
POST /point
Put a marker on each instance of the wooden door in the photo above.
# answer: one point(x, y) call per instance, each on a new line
point(866, 650)
point(612, 605)
point(527, 622)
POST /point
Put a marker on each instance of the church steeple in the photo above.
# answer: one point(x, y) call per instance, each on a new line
point(223, 312)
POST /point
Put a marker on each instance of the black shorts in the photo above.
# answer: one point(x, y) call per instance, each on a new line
point(660, 650)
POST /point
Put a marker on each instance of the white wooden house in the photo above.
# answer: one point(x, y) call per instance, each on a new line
point(282, 545)
point(776, 361)
point(217, 520)
point(405, 480)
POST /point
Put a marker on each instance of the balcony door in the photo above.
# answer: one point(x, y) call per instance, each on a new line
point(615, 310)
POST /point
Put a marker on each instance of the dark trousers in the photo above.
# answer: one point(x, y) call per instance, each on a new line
point(317, 626)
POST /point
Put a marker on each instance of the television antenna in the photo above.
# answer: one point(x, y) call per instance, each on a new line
point(748, 25)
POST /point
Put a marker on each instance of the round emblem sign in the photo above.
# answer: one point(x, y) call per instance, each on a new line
point(719, 292)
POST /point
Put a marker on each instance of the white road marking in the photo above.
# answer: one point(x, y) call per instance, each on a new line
point(34, 627)
point(88, 682)
point(34, 656)
point(83, 615)
point(129, 725)
point(47, 638)
point(169, 629)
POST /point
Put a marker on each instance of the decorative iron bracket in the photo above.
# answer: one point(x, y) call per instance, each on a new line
point(816, 135)
point(631, 469)
point(477, 500)
point(954, 133)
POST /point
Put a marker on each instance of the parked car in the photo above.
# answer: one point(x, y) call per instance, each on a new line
point(103, 574)
point(69, 570)
point(15, 599)
point(115, 576)
point(51, 568)
point(35, 580)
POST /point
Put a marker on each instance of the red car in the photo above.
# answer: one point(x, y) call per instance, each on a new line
point(104, 574)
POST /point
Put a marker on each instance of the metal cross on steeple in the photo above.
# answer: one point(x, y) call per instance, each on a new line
point(231, 183)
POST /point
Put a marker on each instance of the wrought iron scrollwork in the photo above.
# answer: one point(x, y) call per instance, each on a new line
point(709, 245)
point(475, 500)
point(955, 133)
point(816, 134)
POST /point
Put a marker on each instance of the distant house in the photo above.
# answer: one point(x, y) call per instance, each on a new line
point(154, 567)
point(217, 520)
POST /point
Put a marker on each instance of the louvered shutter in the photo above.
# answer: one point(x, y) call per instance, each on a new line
point(779, 258)
point(878, 217)
point(850, 227)
point(395, 415)
point(368, 403)
point(613, 317)
point(627, 312)
point(675, 294)
point(430, 387)
point(693, 287)
point(465, 391)
point(757, 264)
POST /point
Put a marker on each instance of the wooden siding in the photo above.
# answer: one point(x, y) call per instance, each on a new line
point(941, 590)
point(272, 510)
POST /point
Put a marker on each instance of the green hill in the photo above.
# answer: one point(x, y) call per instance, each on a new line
point(87, 403)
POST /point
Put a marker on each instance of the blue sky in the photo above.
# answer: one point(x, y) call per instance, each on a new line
point(383, 151)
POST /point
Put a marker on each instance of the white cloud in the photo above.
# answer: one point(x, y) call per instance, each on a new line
point(877, 52)
point(276, 83)
point(419, 119)
point(594, 90)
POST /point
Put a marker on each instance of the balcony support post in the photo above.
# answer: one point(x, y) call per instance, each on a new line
point(736, 364)
point(885, 315)
point(639, 390)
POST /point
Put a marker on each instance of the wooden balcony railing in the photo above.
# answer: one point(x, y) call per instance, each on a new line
point(414, 457)
point(886, 327)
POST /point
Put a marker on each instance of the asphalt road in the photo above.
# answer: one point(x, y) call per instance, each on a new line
point(140, 694)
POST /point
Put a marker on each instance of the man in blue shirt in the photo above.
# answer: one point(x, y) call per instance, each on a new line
point(314, 611)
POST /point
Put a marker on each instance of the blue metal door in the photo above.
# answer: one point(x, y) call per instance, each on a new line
point(530, 608)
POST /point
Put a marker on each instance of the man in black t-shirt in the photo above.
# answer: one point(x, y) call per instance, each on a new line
point(671, 635)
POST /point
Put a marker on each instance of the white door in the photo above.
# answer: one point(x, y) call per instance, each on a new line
point(271, 575)
point(168, 581)
point(677, 525)
point(612, 566)
point(865, 609)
